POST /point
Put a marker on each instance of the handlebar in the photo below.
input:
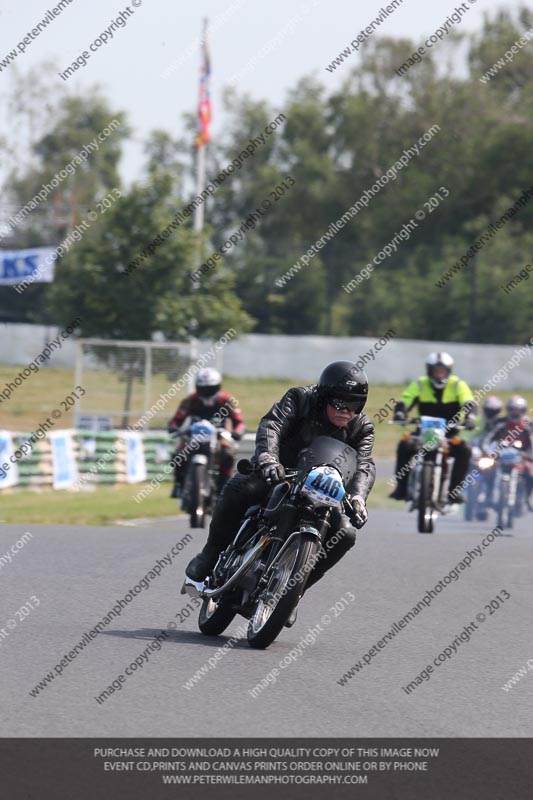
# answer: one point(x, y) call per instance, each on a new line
point(416, 421)
point(190, 420)
point(245, 467)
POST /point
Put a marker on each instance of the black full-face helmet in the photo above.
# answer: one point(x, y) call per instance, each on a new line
point(342, 385)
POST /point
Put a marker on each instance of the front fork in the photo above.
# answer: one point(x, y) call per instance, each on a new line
point(318, 529)
point(414, 488)
point(437, 478)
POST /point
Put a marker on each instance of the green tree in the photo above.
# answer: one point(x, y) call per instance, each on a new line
point(76, 122)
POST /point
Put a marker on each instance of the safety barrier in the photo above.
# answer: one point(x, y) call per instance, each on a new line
point(100, 458)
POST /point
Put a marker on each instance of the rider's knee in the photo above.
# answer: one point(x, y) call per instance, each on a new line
point(406, 446)
point(345, 535)
point(349, 537)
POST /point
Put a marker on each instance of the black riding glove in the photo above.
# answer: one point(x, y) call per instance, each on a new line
point(271, 469)
point(360, 514)
point(400, 412)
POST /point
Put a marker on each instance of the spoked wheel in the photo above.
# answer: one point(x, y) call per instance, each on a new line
point(426, 513)
point(214, 618)
point(281, 594)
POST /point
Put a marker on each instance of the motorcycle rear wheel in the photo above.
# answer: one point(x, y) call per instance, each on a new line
point(214, 618)
point(268, 619)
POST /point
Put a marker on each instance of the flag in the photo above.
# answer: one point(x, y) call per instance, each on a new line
point(204, 101)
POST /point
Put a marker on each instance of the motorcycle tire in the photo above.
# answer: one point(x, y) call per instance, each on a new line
point(520, 500)
point(425, 510)
point(214, 617)
point(197, 506)
point(267, 621)
point(503, 502)
point(472, 502)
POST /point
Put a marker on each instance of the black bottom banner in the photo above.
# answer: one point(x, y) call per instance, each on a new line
point(83, 769)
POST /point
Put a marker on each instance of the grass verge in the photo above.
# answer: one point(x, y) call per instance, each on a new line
point(108, 503)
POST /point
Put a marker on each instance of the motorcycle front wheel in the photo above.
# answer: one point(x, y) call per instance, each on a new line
point(503, 504)
point(287, 582)
point(198, 495)
point(426, 513)
point(472, 499)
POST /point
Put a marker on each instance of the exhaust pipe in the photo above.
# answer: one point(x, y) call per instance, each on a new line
point(197, 589)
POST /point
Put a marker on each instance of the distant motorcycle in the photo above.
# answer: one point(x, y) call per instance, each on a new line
point(427, 487)
point(202, 442)
point(509, 485)
point(262, 573)
point(480, 482)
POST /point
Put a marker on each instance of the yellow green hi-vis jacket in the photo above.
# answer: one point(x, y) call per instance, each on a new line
point(422, 394)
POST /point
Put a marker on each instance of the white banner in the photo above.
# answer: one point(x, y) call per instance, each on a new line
point(64, 467)
point(15, 265)
point(135, 462)
point(9, 472)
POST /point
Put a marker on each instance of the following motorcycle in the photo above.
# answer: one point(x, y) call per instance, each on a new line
point(262, 574)
point(201, 443)
point(479, 482)
point(427, 486)
point(509, 485)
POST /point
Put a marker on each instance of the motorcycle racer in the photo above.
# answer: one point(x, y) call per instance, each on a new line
point(332, 407)
point(442, 394)
point(515, 426)
point(206, 402)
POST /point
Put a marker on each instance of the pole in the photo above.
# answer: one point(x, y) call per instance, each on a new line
point(198, 220)
point(201, 143)
point(472, 311)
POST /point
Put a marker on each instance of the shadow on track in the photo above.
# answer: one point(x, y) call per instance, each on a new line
point(179, 637)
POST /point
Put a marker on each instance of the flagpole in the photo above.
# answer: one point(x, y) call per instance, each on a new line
point(204, 119)
point(198, 219)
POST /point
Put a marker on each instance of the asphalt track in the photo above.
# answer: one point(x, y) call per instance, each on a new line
point(78, 574)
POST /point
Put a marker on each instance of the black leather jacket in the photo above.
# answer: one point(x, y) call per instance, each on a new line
point(294, 421)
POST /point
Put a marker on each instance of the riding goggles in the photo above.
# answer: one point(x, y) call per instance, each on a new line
point(351, 405)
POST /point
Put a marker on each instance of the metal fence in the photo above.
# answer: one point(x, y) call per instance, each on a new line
point(122, 379)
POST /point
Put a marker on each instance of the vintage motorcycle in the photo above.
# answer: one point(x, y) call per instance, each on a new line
point(479, 481)
point(202, 441)
point(509, 494)
point(262, 574)
point(427, 487)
